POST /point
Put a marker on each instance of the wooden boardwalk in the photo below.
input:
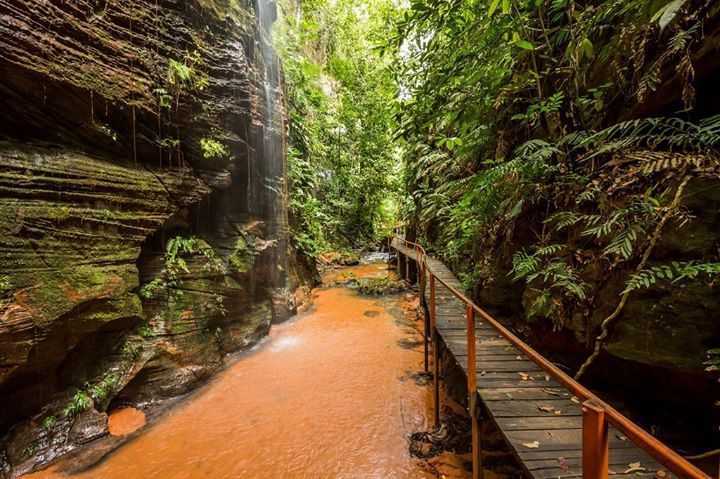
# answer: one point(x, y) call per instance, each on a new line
point(540, 420)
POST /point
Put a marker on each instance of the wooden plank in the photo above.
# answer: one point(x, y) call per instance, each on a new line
point(501, 393)
point(549, 422)
point(626, 454)
point(556, 440)
point(618, 464)
point(531, 408)
point(485, 383)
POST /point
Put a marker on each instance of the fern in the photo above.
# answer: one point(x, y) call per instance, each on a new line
point(658, 161)
point(587, 195)
point(524, 265)
point(622, 243)
point(565, 219)
point(548, 250)
point(674, 272)
point(554, 273)
point(671, 134)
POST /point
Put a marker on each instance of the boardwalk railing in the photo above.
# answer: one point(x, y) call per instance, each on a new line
point(597, 414)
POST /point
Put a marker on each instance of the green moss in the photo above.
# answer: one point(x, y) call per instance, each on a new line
point(378, 286)
point(242, 258)
point(228, 9)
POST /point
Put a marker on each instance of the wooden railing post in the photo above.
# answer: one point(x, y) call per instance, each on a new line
point(407, 268)
point(472, 394)
point(426, 332)
point(595, 446)
point(436, 353)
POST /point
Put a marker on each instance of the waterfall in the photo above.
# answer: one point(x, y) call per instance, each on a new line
point(272, 160)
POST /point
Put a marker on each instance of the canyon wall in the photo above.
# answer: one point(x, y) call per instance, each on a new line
point(142, 195)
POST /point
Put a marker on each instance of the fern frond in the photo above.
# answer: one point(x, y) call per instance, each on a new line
point(674, 272)
point(548, 250)
point(564, 219)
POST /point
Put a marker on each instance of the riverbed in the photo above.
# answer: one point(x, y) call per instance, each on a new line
point(328, 395)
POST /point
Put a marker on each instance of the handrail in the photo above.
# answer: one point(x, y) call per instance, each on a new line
point(647, 442)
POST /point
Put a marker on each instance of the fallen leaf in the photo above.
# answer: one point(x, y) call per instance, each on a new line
point(634, 467)
point(518, 358)
point(575, 400)
point(563, 464)
point(531, 445)
point(523, 376)
point(621, 437)
point(510, 396)
point(547, 378)
point(551, 391)
point(483, 373)
point(546, 408)
point(661, 474)
point(558, 412)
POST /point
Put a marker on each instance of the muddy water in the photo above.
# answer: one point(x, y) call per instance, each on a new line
point(327, 396)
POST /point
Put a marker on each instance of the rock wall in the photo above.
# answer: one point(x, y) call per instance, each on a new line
point(142, 205)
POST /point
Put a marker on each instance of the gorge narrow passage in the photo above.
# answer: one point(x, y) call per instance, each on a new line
point(328, 394)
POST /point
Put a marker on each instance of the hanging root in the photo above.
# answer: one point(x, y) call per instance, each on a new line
point(607, 322)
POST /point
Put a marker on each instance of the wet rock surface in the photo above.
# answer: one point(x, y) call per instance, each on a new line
point(106, 112)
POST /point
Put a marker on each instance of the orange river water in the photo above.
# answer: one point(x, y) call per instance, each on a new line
point(326, 396)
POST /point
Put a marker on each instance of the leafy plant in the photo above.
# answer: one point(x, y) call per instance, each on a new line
point(556, 280)
point(213, 149)
point(5, 285)
point(131, 349)
point(174, 265)
point(49, 423)
point(164, 98)
point(100, 390)
point(80, 402)
point(185, 74)
point(674, 272)
point(146, 332)
point(29, 449)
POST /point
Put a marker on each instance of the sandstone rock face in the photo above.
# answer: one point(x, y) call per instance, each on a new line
point(127, 127)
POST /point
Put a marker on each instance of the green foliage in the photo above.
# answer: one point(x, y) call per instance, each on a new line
point(185, 75)
point(99, 391)
point(164, 98)
point(553, 279)
point(213, 149)
point(80, 402)
point(151, 289)
point(29, 449)
point(174, 266)
point(652, 133)
point(674, 272)
point(131, 350)
point(5, 285)
point(713, 357)
point(343, 164)
point(243, 256)
point(49, 423)
point(146, 332)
